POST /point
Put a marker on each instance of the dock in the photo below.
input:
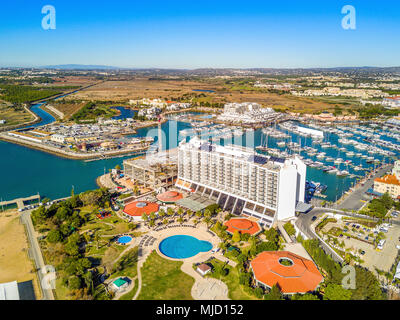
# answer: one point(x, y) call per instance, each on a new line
point(20, 202)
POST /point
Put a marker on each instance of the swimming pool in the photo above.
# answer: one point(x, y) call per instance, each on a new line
point(124, 239)
point(183, 246)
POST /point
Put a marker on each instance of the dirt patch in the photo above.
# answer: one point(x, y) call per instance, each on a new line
point(123, 91)
point(14, 261)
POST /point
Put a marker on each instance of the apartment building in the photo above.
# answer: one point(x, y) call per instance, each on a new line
point(242, 181)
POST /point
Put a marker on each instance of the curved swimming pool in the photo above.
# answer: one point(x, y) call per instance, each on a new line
point(124, 239)
point(183, 246)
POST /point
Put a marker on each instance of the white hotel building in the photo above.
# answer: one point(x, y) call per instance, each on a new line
point(242, 181)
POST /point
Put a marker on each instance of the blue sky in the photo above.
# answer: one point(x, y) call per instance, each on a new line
point(190, 34)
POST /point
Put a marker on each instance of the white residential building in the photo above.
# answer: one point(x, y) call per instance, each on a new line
point(246, 112)
point(242, 181)
point(391, 102)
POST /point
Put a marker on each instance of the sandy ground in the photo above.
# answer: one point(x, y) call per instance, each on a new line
point(14, 261)
point(170, 90)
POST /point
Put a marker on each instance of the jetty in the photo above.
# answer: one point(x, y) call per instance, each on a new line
point(20, 202)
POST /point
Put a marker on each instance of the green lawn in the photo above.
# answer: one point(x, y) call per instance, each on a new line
point(163, 279)
point(235, 289)
point(130, 294)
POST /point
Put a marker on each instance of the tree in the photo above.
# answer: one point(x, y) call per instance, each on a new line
point(199, 214)
point(170, 212)
point(54, 236)
point(153, 216)
point(145, 217)
point(336, 292)
point(236, 236)
point(307, 296)
point(289, 228)
point(207, 221)
point(180, 212)
point(74, 283)
point(180, 220)
point(72, 248)
point(271, 234)
point(161, 213)
point(90, 198)
point(274, 294)
point(118, 167)
point(207, 213)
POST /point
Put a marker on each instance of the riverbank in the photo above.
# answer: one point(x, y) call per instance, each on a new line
point(36, 119)
point(68, 154)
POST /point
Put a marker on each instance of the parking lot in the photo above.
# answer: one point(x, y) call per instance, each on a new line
point(372, 258)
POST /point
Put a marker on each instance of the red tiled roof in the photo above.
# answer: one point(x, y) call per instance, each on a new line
point(389, 179)
point(204, 267)
point(302, 276)
point(170, 196)
point(242, 225)
point(137, 208)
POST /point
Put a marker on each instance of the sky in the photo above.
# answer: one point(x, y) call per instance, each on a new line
point(200, 34)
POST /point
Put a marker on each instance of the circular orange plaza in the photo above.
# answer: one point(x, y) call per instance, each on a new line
point(137, 208)
point(242, 225)
point(170, 196)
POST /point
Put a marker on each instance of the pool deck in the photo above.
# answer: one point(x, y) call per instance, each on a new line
point(203, 288)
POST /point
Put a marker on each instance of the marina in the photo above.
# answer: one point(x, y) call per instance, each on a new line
point(338, 160)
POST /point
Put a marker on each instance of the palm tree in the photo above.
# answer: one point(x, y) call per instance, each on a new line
point(161, 213)
point(180, 220)
point(153, 216)
point(207, 220)
point(180, 212)
point(151, 223)
point(207, 213)
point(199, 214)
point(170, 212)
point(165, 221)
point(145, 217)
point(135, 190)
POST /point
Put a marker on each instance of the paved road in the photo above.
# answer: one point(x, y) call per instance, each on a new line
point(304, 222)
point(36, 253)
point(353, 201)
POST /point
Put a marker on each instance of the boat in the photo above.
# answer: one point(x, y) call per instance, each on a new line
point(281, 143)
point(343, 173)
point(338, 161)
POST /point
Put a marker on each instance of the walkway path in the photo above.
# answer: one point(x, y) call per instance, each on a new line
point(47, 294)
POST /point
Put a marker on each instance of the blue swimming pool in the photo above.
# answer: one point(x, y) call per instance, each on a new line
point(124, 239)
point(183, 246)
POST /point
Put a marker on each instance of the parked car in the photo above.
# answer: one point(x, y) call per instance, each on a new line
point(314, 218)
point(362, 252)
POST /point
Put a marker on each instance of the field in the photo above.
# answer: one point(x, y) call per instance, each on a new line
point(13, 116)
point(123, 91)
point(164, 280)
point(236, 291)
point(14, 261)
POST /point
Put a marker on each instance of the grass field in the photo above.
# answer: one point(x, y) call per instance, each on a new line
point(13, 116)
point(14, 261)
point(232, 281)
point(163, 279)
